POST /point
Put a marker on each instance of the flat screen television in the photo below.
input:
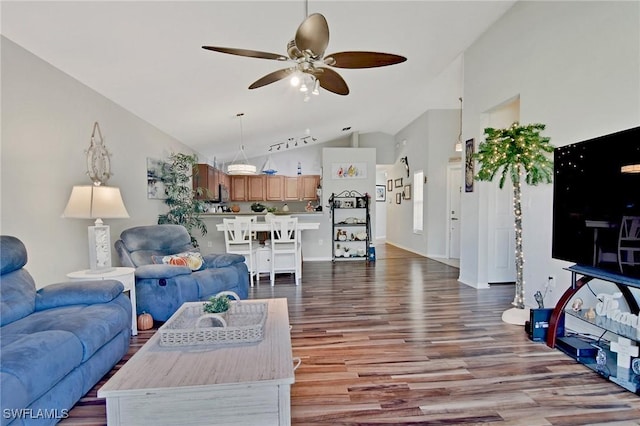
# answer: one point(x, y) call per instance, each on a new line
point(596, 203)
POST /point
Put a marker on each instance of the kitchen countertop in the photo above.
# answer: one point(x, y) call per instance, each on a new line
point(262, 214)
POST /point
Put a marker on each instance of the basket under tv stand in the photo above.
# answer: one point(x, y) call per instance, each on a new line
point(580, 276)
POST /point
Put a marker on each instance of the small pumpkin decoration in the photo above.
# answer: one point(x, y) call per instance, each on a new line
point(145, 321)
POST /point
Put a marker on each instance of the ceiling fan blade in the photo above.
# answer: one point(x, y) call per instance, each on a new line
point(313, 35)
point(271, 78)
point(331, 81)
point(245, 52)
point(362, 59)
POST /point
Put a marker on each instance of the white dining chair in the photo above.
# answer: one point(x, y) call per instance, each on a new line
point(238, 239)
point(286, 253)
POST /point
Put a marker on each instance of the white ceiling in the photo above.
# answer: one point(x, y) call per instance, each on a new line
point(146, 56)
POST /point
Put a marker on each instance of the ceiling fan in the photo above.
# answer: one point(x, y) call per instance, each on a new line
point(307, 50)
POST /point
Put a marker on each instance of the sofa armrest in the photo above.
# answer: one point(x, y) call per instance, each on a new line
point(221, 260)
point(77, 293)
point(158, 271)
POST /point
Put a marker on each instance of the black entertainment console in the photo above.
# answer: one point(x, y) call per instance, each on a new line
point(586, 350)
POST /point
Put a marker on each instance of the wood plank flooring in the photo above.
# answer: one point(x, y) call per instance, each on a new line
point(401, 342)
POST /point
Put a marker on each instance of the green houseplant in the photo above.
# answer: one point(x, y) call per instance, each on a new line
point(522, 154)
point(184, 206)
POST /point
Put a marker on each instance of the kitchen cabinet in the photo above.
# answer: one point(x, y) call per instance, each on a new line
point(291, 189)
point(205, 176)
point(274, 188)
point(308, 186)
point(238, 188)
point(256, 188)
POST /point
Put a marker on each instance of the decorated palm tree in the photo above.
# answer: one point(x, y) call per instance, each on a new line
point(521, 153)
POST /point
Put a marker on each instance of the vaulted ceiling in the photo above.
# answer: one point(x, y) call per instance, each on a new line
point(146, 56)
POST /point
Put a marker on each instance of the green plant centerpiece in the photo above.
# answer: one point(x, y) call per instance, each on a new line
point(258, 207)
point(182, 199)
point(216, 305)
point(520, 153)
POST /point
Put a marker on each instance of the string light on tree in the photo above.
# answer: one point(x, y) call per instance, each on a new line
point(518, 151)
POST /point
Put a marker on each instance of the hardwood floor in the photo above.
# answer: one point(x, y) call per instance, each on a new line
point(401, 342)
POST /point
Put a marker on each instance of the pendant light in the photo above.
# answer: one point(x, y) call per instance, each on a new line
point(241, 168)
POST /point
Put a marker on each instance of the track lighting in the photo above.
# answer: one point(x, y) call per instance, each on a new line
point(293, 142)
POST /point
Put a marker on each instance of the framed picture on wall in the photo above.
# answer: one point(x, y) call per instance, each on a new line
point(381, 193)
point(389, 185)
point(406, 193)
point(469, 151)
point(398, 183)
point(399, 198)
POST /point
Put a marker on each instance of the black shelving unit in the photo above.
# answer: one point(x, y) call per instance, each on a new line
point(350, 225)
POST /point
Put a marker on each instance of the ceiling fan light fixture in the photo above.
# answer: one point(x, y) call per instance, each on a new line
point(304, 88)
point(295, 80)
point(316, 87)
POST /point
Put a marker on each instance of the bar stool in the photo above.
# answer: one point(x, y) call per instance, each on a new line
point(285, 245)
point(238, 240)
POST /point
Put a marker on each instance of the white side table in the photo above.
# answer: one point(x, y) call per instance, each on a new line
point(123, 274)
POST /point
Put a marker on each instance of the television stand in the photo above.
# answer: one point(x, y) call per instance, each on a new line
point(579, 349)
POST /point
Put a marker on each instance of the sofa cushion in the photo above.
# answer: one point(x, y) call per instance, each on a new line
point(213, 281)
point(37, 361)
point(14, 254)
point(77, 292)
point(17, 296)
point(172, 237)
point(192, 259)
point(93, 325)
point(222, 260)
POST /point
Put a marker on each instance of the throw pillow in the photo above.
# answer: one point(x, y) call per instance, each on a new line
point(192, 259)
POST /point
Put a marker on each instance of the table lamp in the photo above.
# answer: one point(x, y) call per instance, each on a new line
point(97, 202)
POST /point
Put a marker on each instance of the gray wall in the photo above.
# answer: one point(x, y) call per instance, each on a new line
point(428, 142)
point(47, 119)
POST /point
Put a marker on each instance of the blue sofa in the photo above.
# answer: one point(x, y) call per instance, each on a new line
point(162, 288)
point(55, 343)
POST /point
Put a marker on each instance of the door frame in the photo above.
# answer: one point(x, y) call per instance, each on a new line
point(450, 167)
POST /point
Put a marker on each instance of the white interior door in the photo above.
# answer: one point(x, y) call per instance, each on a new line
point(454, 180)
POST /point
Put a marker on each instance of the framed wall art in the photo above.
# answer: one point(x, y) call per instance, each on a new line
point(469, 151)
point(389, 185)
point(381, 193)
point(406, 193)
point(349, 171)
point(397, 183)
point(399, 198)
point(155, 187)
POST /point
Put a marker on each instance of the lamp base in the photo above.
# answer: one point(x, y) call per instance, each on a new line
point(99, 247)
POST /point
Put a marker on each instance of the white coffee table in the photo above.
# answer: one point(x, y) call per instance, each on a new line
point(123, 274)
point(240, 384)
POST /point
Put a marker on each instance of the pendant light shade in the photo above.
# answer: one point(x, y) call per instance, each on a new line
point(241, 167)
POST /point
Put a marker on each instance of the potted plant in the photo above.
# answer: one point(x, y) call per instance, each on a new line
point(522, 154)
point(184, 206)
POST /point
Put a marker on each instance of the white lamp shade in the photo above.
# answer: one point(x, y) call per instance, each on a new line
point(94, 202)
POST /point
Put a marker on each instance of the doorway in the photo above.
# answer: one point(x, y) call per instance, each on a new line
point(454, 192)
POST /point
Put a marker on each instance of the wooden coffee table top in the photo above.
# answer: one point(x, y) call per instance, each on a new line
point(158, 368)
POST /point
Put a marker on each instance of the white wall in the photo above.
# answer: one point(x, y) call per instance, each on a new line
point(331, 184)
point(47, 119)
point(576, 68)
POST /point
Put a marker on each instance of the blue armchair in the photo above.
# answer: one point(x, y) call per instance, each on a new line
point(162, 288)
